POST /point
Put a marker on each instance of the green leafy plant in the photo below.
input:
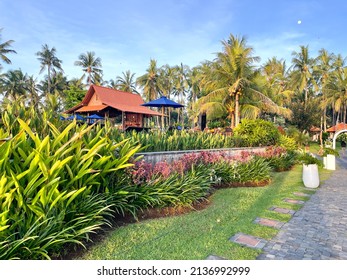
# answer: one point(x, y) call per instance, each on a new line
point(58, 189)
point(307, 159)
point(330, 151)
point(257, 132)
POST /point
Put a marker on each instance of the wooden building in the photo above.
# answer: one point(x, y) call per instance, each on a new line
point(111, 103)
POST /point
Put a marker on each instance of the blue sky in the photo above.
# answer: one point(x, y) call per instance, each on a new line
point(127, 34)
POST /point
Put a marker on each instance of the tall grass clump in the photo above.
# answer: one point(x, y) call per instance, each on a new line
point(157, 141)
point(58, 189)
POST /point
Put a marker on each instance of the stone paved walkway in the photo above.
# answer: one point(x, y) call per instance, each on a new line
point(319, 229)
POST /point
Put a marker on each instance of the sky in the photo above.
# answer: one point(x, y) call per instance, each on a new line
point(127, 34)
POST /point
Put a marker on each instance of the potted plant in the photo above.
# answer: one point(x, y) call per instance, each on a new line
point(310, 175)
point(329, 155)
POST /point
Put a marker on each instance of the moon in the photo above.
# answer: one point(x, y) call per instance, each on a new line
point(299, 21)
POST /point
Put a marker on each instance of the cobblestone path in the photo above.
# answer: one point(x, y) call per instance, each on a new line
point(319, 229)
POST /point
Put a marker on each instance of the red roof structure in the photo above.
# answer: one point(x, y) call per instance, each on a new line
point(337, 127)
point(99, 98)
point(112, 103)
point(315, 129)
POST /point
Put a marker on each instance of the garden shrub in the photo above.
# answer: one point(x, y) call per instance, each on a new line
point(57, 190)
point(257, 132)
point(287, 142)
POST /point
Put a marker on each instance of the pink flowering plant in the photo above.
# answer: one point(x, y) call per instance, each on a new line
point(192, 177)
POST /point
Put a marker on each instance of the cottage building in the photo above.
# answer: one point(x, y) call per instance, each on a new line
point(114, 104)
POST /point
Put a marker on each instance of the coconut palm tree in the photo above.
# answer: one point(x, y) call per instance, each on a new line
point(302, 77)
point(323, 69)
point(14, 84)
point(48, 59)
point(91, 65)
point(148, 82)
point(5, 48)
point(33, 92)
point(276, 74)
point(125, 83)
point(234, 80)
point(336, 88)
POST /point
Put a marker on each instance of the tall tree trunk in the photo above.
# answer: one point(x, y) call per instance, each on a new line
point(49, 79)
point(232, 119)
point(237, 117)
point(306, 97)
point(325, 119)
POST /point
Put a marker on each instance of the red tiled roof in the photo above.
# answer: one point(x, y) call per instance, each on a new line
point(91, 108)
point(119, 100)
point(337, 127)
point(315, 129)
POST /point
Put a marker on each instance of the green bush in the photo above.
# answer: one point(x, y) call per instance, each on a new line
point(254, 171)
point(58, 189)
point(283, 162)
point(174, 141)
point(287, 142)
point(257, 132)
point(307, 159)
point(177, 189)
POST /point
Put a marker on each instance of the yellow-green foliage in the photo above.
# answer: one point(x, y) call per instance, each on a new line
point(56, 189)
point(287, 142)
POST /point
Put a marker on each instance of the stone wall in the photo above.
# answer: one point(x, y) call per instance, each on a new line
point(154, 157)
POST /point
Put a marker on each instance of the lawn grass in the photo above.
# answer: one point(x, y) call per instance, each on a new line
point(198, 234)
point(315, 147)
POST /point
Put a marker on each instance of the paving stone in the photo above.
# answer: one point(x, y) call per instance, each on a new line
point(294, 201)
point(301, 194)
point(282, 210)
point(248, 240)
point(268, 222)
point(318, 229)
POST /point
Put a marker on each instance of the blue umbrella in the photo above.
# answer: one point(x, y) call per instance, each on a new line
point(161, 103)
point(95, 117)
point(77, 117)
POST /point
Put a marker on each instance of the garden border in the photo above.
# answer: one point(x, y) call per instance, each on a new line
point(169, 156)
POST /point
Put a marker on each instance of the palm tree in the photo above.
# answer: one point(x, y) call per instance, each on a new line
point(234, 82)
point(302, 72)
point(14, 84)
point(323, 69)
point(336, 88)
point(47, 58)
point(148, 82)
point(90, 65)
point(32, 90)
point(5, 49)
point(126, 83)
point(276, 75)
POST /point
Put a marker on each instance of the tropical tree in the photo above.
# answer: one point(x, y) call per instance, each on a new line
point(48, 59)
point(14, 84)
point(276, 75)
point(323, 69)
point(91, 65)
point(165, 80)
point(74, 94)
point(234, 81)
point(33, 92)
point(336, 89)
point(149, 81)
point(5, 48)
point(125, 83)
point(58, 83)
point(301, 75)
point(181, 85)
